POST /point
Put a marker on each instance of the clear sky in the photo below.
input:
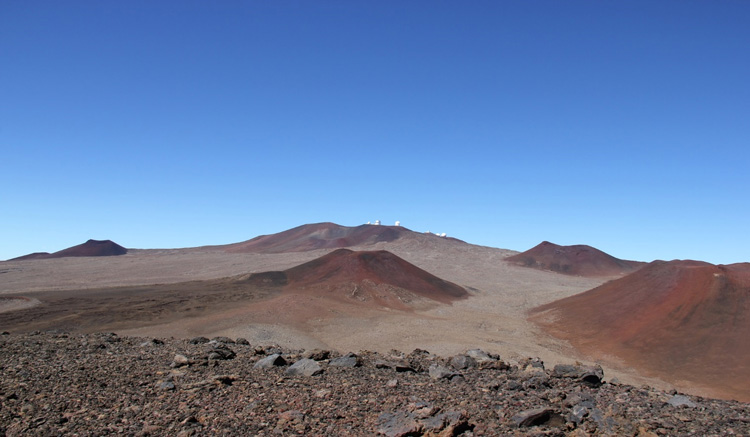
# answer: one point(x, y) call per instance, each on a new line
point(624, 125)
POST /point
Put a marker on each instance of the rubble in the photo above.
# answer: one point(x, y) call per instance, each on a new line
point(97, 384)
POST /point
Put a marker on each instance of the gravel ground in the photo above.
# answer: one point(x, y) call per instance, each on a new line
point(98, 384)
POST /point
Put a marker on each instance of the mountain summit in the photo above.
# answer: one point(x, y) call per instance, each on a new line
point(323, 236)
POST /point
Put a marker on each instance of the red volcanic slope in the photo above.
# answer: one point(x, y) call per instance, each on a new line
point(380, 267)
point(380, 275)
point(579, 260)
point(683, 319)
point(321, 236)
point(89, 248)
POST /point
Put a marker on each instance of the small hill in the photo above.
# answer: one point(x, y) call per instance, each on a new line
point(35, 255)
point(578, 260)
point(322, 236)
point(377, 277)
point(684, 320)
point(89, 248)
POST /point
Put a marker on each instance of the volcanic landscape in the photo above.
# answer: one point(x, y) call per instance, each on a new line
point(671, 325)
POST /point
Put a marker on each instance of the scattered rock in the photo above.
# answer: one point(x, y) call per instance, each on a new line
point(591, 375)
point(166, 385)
point(152, 342)
point(322, 393)
point(221, 352)
point(399, 424)
point(398, 366)
point(348, 360)
point(681, 401)
point(225, 379)
point(198, 340)
point(57, 384)
point(225, 340)
point(439, 372)
point(242, 341)
point(577, 413)
point(316, 354)
point(605, 424)
point(450, 423)
point(538, 416)
point(461, 362)
point(424, 421)
point(480, 356)
point(180, 360)
point(270, 361)
point(305, 367)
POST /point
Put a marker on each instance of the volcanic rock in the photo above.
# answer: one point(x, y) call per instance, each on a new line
point(480, 356)
point(437, 371)
point(591, 375)
point(180, 360)
point(124, 389)
point(305, 367)
point(270, 361)
point(316, 354)
point(460, 362)
point(348, 360)
point(681, 400)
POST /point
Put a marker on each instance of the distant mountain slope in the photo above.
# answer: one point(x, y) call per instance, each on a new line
point(683, 319)
point(35, 255)
point(379, 267)
point(89, 248)
point(580, 260)
point(378, 277)
point(319, 236)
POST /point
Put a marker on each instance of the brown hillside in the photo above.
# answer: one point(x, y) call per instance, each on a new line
point(89, 248)
point(682, 320)
point(321, 236)
point(344, 266)
point(376, 278)
point(579, 260)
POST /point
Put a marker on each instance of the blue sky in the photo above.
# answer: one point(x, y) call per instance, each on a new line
point(623, 125)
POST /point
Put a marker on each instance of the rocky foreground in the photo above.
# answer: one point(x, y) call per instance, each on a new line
point(56, 383)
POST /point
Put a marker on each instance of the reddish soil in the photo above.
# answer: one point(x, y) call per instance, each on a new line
point(320, 236)
point(684, 320)
point(578, 260)
point(89, 248)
